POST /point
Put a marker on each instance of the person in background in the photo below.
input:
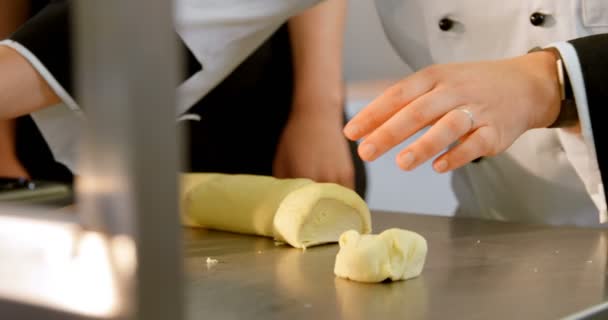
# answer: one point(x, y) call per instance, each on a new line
point(287, 117)
point(523, 132)
point(24, 153)
point(284, 120)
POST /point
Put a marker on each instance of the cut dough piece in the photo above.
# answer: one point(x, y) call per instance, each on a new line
point(297, 211)
point(394, 254)
point(319, 213)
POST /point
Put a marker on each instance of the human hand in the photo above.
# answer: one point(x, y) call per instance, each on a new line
point(312, 146)
point(485, 106)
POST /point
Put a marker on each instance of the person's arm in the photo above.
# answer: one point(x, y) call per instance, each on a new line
point(217, 35)
point(485, 106)
point(42, 52)
point(12, 15)
point(35, 63)
point(22, 89)
point(312, 145)
point(317, 41)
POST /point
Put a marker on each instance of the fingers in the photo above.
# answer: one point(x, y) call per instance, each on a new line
point(388, 104)
point(482, 142)
point(409, 120)
point(440, 136)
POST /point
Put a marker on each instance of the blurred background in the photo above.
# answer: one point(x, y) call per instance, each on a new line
point(370, 66)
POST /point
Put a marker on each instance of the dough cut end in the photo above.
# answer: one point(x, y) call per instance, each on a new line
point(328, 220)
point(394, 254)
point(319, 213)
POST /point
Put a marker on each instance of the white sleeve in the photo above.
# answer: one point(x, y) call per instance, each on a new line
point(580, 148)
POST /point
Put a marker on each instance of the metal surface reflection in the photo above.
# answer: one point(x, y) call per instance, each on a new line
point(475, 270)
point(56, 265)
point(403, 299)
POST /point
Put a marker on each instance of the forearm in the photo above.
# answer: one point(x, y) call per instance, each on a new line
point(317, 41)
point(36, 63)
point(22, 89)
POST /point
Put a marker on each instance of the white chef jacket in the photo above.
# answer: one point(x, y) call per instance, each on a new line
point(548, 175)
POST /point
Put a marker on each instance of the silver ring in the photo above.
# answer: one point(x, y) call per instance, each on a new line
point(470, 115)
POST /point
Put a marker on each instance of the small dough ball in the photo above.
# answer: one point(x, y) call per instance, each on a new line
point(394, 254)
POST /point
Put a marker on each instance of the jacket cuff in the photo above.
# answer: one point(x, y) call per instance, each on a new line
point(586, 167)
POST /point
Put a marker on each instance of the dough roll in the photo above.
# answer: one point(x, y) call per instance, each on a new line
point(297, 211)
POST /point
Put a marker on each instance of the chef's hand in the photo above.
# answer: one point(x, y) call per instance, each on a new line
point(484, 106)
point(312, 146)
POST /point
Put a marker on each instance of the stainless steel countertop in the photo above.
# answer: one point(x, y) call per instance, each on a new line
point(475, 270)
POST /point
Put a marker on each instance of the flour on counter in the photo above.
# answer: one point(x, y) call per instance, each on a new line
point(211, 262)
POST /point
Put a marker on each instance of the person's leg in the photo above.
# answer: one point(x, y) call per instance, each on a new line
point(12, 15)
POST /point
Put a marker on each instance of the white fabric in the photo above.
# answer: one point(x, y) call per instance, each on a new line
point(221, 34)
point(60, 121)
point(595, 13)
point(547, 176)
